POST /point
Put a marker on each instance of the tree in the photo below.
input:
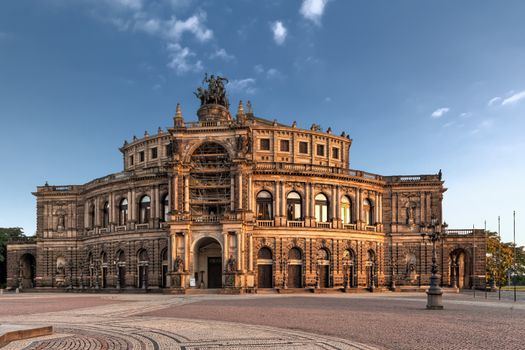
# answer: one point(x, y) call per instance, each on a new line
point(5, 235)
point(499, 259)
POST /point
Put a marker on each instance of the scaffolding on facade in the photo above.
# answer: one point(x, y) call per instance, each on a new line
point(210, 180)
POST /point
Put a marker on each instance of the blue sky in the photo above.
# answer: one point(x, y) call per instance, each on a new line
point(419, 85)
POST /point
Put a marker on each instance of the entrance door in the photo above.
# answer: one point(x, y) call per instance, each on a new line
point(323, 276)
point(214, 272)
point(294, 276)
point(164, 274)
point(122, 276)
point(104, 277)
point(265, 276)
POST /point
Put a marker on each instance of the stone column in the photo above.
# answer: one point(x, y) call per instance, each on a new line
point(132, 208)
point(187, 250)
point(239, 180)
point(186, 193)
point(232, 193)
point(250, 193)
point(250, 253)
point(276, 202)
point(156, 207)
point(422, 204)
point(239, 250)
point(225, 249)
point(429, 206)
point(335, 206)
point(380, 219)
point(376, 208)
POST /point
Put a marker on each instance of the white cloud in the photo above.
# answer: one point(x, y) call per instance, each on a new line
point(126, 4)
point(313, 10)
point(274, 73)
point(270, 73)
point(515, 98)
point(180, 59)
point(465, 115)
point(438, 113)
point(328, 99)
point(246, 86)
point(150, 26)
point(258, 69)
point(193, 24)
point(449, 124)
point(279, 32)
point(222, 54)
point(494, 101)
point(140, 16)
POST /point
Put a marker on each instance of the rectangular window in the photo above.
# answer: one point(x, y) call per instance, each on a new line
point(154, 153)
point(303, 147)
point(285, 145)
point(141, 156)
point(131, 160)
point(335, 153)
point(320, 150)
point(264, 144)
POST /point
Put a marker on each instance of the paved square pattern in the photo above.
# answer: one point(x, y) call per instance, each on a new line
point(303, 321)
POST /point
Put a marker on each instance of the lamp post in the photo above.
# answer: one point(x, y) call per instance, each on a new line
point(434, 293)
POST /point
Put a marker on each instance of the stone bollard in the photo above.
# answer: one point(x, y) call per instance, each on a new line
point(1, 291)
point(17, 291)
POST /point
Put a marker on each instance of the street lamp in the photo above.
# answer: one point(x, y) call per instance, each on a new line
point(433, 232)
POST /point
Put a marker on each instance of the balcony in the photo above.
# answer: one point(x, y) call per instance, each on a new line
point(265, 223)
point(141, 226)
point(295, 223)
point(350, 226)
point(370, 228)
point(104, 230)
point(120, 228)
point(323, 224)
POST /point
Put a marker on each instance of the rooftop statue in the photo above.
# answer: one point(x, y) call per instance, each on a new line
point(215, 93)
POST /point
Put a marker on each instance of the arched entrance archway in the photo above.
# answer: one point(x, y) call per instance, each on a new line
point(458, 269)
point(323, 264)
point(121, 269)
point(295, 268)
point(207, 263)
point(371, 267)
point(164, 264)
point(349, 268)
point(27, 270)
point(265, 268)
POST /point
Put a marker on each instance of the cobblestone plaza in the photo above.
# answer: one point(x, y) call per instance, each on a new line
point(302, 321)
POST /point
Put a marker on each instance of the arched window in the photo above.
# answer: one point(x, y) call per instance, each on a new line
point(264, 253)
point(105, 215)
point(346, 210)
point(165, 208)
point(92, 216)
point(368, 207)
point(123, 212)
point(321, 208)
point(264, 206)
point(144, 210)
point(294, 207)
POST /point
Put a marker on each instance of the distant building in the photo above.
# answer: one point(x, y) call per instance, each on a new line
point(241, 203)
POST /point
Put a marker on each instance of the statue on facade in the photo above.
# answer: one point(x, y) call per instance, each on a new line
point(178, 265)
point(231, 264)
point(215, 93)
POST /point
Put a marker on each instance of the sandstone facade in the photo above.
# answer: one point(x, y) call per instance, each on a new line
point(241, 203)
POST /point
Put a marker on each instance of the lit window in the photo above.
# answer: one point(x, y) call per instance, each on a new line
point(123, 212)
point(346, 210)
point(321, 208)
point(144, 210)
point(264, 206)
point(294, 206)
